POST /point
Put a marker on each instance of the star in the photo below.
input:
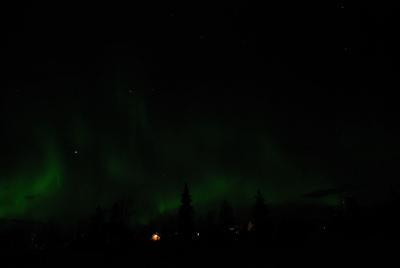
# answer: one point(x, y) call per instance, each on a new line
point(76, 152)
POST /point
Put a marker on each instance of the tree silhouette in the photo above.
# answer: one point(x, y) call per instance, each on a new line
point(98, 220)
point(260, 213)
point(119, 215)
point(186, 213)
point(226, 216)
point(97, 228)
point(350, 206)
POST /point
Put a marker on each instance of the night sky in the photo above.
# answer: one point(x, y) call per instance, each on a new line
point(102, 102)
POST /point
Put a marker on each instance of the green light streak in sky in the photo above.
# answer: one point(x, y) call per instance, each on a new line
point(20, 194)
point(129, 151)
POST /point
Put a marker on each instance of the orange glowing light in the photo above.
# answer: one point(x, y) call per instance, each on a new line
point(155, 237)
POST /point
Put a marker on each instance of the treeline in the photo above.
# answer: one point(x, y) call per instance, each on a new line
point(111, 228)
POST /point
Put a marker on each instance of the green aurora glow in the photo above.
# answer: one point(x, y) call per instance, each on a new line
point(136, 152)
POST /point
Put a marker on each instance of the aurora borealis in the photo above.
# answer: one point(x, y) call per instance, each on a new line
point(95, 111)
point(140, 151)
point(78, 160)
